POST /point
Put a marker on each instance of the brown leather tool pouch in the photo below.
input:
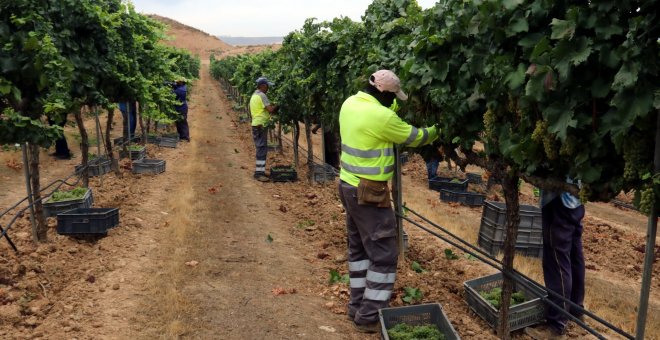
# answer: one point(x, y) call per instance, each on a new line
point(373, 193)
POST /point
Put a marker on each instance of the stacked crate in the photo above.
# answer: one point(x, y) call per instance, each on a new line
point(493, 229)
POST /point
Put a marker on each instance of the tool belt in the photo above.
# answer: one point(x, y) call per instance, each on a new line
point(374, 193)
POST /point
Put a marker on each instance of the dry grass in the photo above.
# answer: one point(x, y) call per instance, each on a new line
point(171, 310)
point(613, 301)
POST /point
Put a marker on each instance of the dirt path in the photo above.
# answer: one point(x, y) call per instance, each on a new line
point(220, 217)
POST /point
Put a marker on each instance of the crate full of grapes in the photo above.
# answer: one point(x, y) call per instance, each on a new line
point(483, 296)
point(426, 321)
point(134, 151)
point(438, 183)
point(283, 173)
point(61, 201)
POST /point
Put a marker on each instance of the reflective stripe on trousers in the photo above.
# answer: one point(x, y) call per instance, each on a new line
point(372, 255)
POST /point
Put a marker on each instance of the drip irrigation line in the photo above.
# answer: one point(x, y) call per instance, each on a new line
point(19, 212)
point(537, 287)
point(335, 171)
point(518, 277)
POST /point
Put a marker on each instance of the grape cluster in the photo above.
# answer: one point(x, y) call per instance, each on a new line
point(635, 159)
point(541, 135)
point(568, 147)
point(489, 123)
point(646, 201)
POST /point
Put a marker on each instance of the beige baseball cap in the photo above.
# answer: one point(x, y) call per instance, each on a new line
point(387, 81)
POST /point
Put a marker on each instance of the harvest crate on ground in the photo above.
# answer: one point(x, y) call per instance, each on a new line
point(471, 199)
point(138, 152)
point(52, 208)
point(96, 167)
point(495, 212)
point(404, 157)
point(87, 221)
point(455, 184)
point(168, 142)
point(521, 315)
point(426, 314)
point(473, 178)
point(148, 166)
point(324, 173)
point(494, 247)
point(283, 173)
point(529, 240)
point(274, 147)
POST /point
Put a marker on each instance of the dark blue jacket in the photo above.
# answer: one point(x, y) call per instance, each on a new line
point(180, 91)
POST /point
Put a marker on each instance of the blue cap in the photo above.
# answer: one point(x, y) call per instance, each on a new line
point(264, 80)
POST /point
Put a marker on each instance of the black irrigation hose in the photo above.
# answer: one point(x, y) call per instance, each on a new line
point(519, 278)
point(538, 288)
point(19, 212)
point(334, 170)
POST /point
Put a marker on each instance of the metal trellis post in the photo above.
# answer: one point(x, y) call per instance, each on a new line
point(398, 201)
point(649, 255)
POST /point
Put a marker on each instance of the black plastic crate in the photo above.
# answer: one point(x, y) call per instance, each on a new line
point(87, 221)
point(121, 140)
point(473, 178)
point(405, 240)
point(454, 184)
point(148, 166)
point(471, 199)
point(404, 157)
point(274, 147)
point(324, 173)
point(54, 208)
point(283, 174)
point(168, 142)
point(96, 167)
point(495, 212)
point(425, 314)
point(153, 139)
point(496, 232)
point(134, 154)
point(521, 315)
point(494, 247)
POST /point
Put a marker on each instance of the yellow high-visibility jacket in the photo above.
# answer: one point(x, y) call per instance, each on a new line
point(368, 134)
point(258, 103)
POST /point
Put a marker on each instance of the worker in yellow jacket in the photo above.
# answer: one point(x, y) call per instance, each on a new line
point(369, 129)
point(260, 109)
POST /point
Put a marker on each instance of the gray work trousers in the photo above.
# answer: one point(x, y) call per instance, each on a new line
point(372, 255)
point(260, 136)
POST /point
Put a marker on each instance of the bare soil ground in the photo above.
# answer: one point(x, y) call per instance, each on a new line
point(192, 257)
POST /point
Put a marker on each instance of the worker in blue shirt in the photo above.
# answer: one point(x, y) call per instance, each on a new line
point(181, 91)
point(129, 116)
point(563, 260)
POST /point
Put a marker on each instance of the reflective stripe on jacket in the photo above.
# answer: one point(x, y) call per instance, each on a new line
point(368, 134)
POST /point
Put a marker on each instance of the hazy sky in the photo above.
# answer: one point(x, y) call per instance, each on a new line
point(254, 18)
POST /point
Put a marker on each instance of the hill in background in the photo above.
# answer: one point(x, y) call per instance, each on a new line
point(245, 41)
point(204, 44)
point(193, 39)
